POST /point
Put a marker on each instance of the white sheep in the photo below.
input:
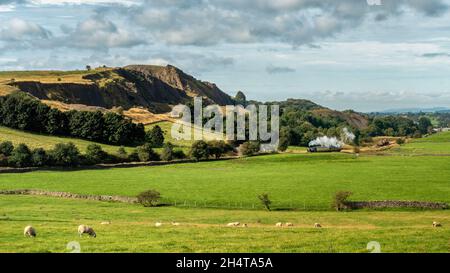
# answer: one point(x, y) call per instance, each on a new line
point(86, 229)
point(106, 223)
point(175, 224)
point(244, 225)
point(158, 224)
point(279, 224)
point(289, 224)
point(317, 225)
point(437, 224)
point(233, 224)
point(29, 231)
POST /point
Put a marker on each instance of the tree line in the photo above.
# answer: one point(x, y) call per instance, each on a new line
point(21, 111)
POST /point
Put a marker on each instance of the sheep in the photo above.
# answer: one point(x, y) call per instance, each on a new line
point(289, 224)
point(158, 224)
point(317, 225)
point(86, 229)
point(279, 224)
point(233, 224)
point(244, 225)
point(106, 223)
point(29, 231)
point(175, 224)
point(437, 224)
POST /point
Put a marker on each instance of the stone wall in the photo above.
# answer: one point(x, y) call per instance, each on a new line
point(395, 204)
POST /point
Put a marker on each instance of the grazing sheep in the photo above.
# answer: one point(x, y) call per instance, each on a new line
point(289, 224)
point(86, 229)
point(317, 225)
point(175, 224)
point(279, 224)
point(158, 224)
point(244, 225)
point(106, 223)
point(233, 224)
point(437, 224)
point(29, 231)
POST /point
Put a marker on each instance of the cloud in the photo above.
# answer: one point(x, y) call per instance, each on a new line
point(271, 69)
point(18, 30)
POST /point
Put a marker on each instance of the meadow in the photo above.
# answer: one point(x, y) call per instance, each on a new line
point(205, 196)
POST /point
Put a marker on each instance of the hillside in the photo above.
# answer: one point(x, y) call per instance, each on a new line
point(152, 87)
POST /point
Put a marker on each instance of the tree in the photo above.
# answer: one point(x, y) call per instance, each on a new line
point(283, 144)
point(20, 156)
point(149, 198)
point(146, 153)
point(265, 200)
point(340, 200)
point(249, 148)
point(39, 157)
point(65, 154)
point(121, 152)
point(6, 148)
point(167, 153)
point(95, 154)
point(155, 137)
point(88, 67)
point(240, 98)
point(424, 124)
point(199, 150)
point(218, 147)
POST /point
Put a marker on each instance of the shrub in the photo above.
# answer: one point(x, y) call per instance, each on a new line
point(249, 148)
point(155, 137)
point(167, 153)
point(178, 154)
point(340, 200)
point(400, 141)
point(149, 198)
point(146, 153)
point(95, 154)
point(20, 156)
point(39, 157)
point(65, 154)
point(133, 157)
point(284, 144)
point(199, 150)
point(6, 148)
point(265, 201)
point(218, 147)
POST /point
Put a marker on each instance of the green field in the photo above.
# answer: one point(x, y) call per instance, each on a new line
point(207, 195)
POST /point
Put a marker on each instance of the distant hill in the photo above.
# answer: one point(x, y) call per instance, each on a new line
point(417, 110)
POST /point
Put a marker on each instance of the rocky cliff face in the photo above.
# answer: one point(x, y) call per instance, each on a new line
point(154, 87)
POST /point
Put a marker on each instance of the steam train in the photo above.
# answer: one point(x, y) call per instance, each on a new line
point(323, 149)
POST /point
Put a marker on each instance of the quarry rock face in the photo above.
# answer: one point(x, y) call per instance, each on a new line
point(152, 87)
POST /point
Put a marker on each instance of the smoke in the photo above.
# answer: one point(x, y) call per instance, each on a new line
point(327, 142)
point(334, 142)
point(347, 136)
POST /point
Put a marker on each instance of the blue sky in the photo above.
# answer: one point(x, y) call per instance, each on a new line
point(342, 54)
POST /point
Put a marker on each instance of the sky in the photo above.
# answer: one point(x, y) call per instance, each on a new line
point(366, 55)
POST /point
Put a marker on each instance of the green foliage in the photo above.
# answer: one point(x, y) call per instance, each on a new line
point(149, 198)
point(95, 154)
point(199, 150)
point(39, 157)
point(425, 125)
point(20, 156)
point(217, 148)
point(65, 154)
point(240, 98)
point(250, 148)
point(400, 141)
point(339, 200)
point(6, 148)
point(155, 137)
point(167, 152)
point(146, 153)
point(284, 143)
point(265, 200)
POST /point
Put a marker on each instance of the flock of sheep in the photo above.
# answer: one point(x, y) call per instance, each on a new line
point(83, 229)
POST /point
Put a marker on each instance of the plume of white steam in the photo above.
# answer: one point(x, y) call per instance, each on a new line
point(347, 136)
point(328, 142)
point(333, 142)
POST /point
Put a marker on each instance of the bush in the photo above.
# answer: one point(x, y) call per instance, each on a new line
point(39, 157)
point(265, 201)
point(95, 154)
point(155, 137)
point(149, 198)
point(167, 153)
point(133, 157)
point(65, 154)
point(178, 154)
point(146, 153)
point(284, 144)
point(6, 148)
point(340, 200)
point(218, 147)
point(20, 156)
point(199, 150)
point(249, 148)
point(400, 141)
